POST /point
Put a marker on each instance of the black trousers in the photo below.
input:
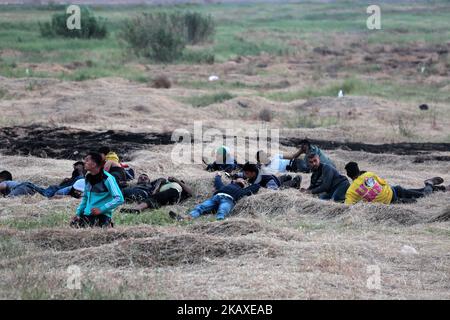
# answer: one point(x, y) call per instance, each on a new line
point(170, 196)
point(101, 221)
point(401, 193)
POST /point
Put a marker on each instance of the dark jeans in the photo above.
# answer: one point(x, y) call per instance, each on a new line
point(101, 221)
point(135, 194)
point(338, 195)
point(26, 189)
point(401, 193)
point(170, 196)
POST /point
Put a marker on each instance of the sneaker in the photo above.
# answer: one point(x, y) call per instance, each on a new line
point(175, 216)
point(434, 181)
point(129, 210)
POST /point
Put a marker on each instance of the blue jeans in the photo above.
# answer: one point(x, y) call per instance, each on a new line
point(223, 204)
point(338, 195)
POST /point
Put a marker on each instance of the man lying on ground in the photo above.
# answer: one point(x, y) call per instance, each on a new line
point(253, 174)
point(368, 187)
point(142, 190)
point(224, 199)
point(101, 195)
point(167, 192)
point(326, 181)
point(11, 188)
point(224, 161)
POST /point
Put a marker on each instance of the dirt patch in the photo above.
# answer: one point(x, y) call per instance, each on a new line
point(69, 143)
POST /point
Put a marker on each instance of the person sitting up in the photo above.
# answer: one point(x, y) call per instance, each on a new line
point(253, 174)
point(112, 165)
point(368, 187)
point(224, 199)
point(166, 191)
point(101, 195)
point(224, 161)
point(306, 148)
point(326, 181)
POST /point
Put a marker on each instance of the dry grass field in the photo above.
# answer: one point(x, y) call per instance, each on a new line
point(277, 244)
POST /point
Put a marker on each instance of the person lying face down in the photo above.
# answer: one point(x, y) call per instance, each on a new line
point(369, 187)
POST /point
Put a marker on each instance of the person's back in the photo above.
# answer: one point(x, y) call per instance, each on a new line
point(369, 187)
point(234, 190)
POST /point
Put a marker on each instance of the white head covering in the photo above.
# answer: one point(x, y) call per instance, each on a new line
point(79, 185)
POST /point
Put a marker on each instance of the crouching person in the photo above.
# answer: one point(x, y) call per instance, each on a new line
point(224, 199)
point(101, 196)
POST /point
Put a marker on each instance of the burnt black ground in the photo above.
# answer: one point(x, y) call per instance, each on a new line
point(70, 143)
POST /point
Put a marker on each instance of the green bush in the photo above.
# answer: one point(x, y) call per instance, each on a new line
point(199, 28)
point(163, 36)
point(91, 26)
point(157, 36)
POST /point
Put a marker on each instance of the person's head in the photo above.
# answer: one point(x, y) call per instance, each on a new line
point(104, 151)
point(250, 170)
point(262, 157)
point(314, 161)
point(79, 167)
point(222, 155)
point(5, 176)
point(143, 179)
point(352, 169)
point(305, 145)
point(93, 162)
point(239, 181)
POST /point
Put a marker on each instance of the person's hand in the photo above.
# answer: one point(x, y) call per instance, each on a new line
point(75, 218)
point(172, 179)
point(219, 174)
point(95, 211)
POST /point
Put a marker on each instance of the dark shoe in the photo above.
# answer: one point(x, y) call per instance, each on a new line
point(175, 216)
point(129, 210)
point(439, 188)
point(434, 181)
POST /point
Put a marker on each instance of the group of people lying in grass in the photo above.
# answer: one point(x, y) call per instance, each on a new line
point(102, 183)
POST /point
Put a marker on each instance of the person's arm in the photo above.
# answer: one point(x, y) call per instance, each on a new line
point(183, 185)
point(327, 180)
point(157, 186)
point(82, 204)
point(3, 188)
point(351, 197)
point(252, 189)
point(294, 155)
point(117, 196)
point(218, 184)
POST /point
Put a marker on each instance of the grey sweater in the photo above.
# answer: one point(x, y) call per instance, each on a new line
point(326, 179)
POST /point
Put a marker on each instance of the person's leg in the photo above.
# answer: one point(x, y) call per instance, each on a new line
point(403, 193)
point(205, 206)
point(23, 189)
point(225, 207)
point(339, 193)
point(63, 191)
point(292, 183)
point(325, 196)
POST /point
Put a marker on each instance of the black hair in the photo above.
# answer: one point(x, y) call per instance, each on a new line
point(104, 150)
point(96, 157)
point(352, 169)
point(257, 155)
point(307, 142)
point(312, 155)
point(251, 167)
point(5, 176)
point(78, 163)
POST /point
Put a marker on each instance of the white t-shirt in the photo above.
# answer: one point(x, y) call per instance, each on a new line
point(276, 165)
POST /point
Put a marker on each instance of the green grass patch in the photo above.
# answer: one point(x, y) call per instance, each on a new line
point(208, 99)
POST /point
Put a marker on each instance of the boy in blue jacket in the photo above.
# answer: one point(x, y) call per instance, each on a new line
point(101, 195)
point(224, 199)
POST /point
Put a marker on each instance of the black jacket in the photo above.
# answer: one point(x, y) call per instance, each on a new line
point(326, 179)
point(234, 190)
